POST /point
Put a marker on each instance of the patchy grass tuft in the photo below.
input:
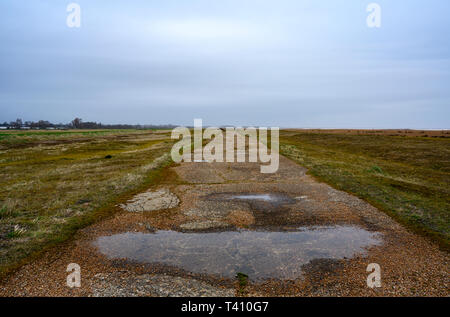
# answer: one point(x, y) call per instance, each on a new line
point(16, 232)
point(376, 170)
point(243, 281)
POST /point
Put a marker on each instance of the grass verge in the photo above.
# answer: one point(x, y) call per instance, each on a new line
point(48, 192)
point(406, 177)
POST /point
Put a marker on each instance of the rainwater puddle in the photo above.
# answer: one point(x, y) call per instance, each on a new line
point(264, 197)
point(259, 254)
point(258, 201)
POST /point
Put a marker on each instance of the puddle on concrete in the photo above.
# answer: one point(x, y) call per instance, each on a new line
point(268, 202)
point(259, 254)
point(265, 197)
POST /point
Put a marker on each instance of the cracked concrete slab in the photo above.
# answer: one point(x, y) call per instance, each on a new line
point(152, 200)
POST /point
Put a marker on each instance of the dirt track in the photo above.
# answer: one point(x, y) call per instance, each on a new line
point(329, 259)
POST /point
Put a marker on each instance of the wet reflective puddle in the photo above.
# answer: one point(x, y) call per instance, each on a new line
point(264, 197)
point(259, 254)
point(270, 202)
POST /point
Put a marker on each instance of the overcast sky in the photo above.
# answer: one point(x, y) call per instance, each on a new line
point(287, 63)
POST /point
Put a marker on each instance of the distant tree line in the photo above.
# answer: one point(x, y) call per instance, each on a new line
point(77, 123)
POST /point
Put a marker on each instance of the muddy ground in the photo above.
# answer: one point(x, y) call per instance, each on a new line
point(292, 235)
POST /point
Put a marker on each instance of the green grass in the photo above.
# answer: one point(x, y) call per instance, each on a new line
point(243, 282)
point(47, 192)
point(407, 177)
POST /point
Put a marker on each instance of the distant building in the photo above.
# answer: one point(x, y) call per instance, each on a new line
point(3, 128)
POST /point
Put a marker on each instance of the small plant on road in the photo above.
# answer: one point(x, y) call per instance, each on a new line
point(243, 281)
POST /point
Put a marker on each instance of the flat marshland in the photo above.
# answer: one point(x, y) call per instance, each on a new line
point(405, 173)
point(147, 227)
point(53, 183)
